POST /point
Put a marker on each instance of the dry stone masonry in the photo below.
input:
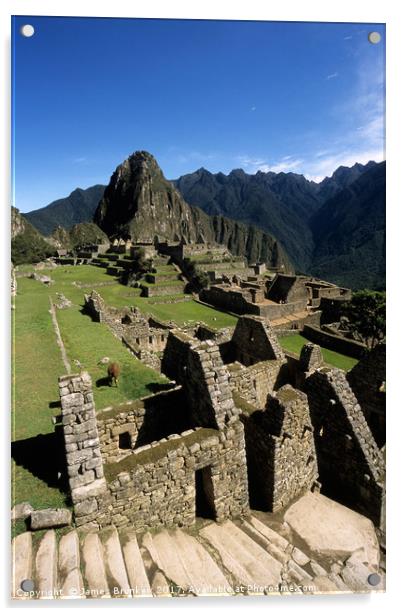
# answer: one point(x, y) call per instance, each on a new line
point(230, 431)
point(83, 456)
point(349, 461)
point(281, 455)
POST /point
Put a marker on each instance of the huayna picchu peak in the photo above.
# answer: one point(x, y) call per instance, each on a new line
point(140, 203)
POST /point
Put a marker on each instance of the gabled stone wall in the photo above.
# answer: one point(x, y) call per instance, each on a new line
point(254, 341)
point(198, 367)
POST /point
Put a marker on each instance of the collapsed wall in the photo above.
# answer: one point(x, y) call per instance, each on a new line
point(281, 456)
point(351, 467)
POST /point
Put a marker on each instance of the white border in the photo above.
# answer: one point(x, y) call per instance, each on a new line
point(286, 10)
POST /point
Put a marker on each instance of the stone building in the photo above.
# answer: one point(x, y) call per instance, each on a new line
point(241, 424)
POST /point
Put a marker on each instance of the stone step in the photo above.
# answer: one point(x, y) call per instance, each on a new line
point(203, 569)
point(21, 559)
point(114, 561)
point(252, 567)
point(70, 577)
point(137, 576)
point(160, 586)
point(46, 566)
point(94, 567)
point(265, 543)
point(273, 537)
point(186, 563)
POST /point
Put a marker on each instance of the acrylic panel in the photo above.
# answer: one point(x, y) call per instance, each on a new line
point(198, 295)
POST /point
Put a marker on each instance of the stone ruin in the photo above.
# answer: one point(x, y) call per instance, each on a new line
point(144, 337)
point(288, 301)
point(242, 425)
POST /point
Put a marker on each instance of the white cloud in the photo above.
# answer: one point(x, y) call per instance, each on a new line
point(286, 164)
point(325, 167)
point(80, 159)
point(253, 108)
point(347, 38)
point(332, 76)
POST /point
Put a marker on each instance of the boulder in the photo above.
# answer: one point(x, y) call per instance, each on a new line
point(21, 511)
point(50, 518)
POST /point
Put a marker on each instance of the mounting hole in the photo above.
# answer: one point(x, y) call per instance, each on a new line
point(374, 579)
point(374, 37)
point(27, 585)
point(27, 30)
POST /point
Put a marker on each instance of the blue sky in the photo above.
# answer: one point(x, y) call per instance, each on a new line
point(301, 97)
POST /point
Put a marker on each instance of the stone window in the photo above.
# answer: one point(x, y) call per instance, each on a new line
point(125, 440)
point(151, 339)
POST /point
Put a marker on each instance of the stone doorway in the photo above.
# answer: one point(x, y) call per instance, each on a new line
point(204, 494)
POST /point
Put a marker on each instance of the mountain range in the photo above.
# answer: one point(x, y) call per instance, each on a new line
point(334, 229)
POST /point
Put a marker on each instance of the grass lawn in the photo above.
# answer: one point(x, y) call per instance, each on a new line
point(295, 342)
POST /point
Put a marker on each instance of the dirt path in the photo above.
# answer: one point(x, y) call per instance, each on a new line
point(58, 337)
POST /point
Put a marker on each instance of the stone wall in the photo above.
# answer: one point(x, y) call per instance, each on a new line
point(83, 456)
point(311, 357)
point(158, 485)
point(198, 367)
point(254, 341)
point(281, 456)
point(124, 428)
point(335, 343)
point(167, 482)
point(161, 290)
point(351, 467)
point(367, 379)
point(285, 288)
point(229, 298)
point(254, 383)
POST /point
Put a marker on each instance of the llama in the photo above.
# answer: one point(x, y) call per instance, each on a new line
point(113, 372)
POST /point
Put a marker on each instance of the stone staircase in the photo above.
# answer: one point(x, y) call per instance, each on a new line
point(244, 557)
